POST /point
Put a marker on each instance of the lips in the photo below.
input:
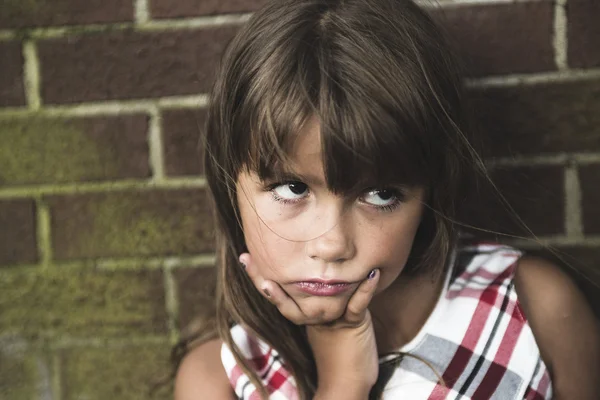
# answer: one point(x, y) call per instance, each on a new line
point(323, 288)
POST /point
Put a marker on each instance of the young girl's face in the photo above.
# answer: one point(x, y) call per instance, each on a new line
point(319, 245)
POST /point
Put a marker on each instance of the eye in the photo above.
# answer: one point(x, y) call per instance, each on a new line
point(289, 191)
point(382, 198)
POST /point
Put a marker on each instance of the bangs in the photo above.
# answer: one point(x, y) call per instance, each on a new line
point(376, 111)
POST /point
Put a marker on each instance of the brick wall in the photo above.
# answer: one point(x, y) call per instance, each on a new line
point(105, 239)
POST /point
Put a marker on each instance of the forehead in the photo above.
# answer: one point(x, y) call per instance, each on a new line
point(305, 147)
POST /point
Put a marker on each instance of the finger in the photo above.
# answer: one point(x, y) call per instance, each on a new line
point(252, 272)
point(358, 303)
point(280, 299)
point(272, 292)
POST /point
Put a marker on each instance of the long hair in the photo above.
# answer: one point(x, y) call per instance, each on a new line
point(380, 78)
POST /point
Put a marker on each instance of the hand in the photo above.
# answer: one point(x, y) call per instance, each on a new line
point(345, 350)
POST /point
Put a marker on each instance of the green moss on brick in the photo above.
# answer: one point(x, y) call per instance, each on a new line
point(82, 302)
point(19, 370)
point(122, 224)
point(44, 150)
point(121, 373)
point(134, 230)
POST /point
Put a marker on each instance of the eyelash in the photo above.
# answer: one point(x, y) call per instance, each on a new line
point(398, 194)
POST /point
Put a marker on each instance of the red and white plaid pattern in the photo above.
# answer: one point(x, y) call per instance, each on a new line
point(476, 339)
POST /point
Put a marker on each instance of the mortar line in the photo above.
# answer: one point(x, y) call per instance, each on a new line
point(142, 12)
point(55, 32)
point(155, 145)
point(57, 377)
point(461, 3)
point(70, 343)
point(112, 107)
point(560, 37)
point(43, 230)
point(549, 159)
point(31, 75)
point(569, 75)
point(44, 385)
point(198, 260)
point(171, 304)
point(194, 23)
point(93, 187)
point(573, 212)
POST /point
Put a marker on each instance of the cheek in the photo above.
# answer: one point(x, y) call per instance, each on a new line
point(389, 249)
point(270, 252)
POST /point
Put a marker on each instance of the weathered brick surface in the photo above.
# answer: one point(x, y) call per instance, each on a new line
point(56, 150)
point(121, 224)
point(129, 373)
point(188, 8)
point(544, 118)
point(535, 193)
point(18, 242)
point(124, 65)
point(12, 91)
point(502, 38)
point(589, 176)
point(196, 288)
point(20, 14)
point(182, 134)
point(19, 370)
point(584, 33)
point(82, 303)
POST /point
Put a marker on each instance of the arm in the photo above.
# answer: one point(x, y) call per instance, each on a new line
point(201, 375)
point(564, 326)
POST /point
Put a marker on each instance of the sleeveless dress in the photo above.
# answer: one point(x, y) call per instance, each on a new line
point(476, 339)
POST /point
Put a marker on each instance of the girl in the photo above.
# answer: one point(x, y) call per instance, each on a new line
point(337, 153)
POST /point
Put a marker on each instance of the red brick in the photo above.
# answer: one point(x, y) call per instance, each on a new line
point(125, 65)
point(18, 242)
point(182, 134)
point(122, 224)
point(98, 148)
point(82, 302)
point(197, 294)
point(12, 91)
point(589, 176)
point(21, 14)
point(584, 33)
point(502, 38)
point(190, 8)
point(544, 118)
point(536, 194)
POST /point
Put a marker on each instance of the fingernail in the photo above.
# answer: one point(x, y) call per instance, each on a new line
point(267, 293)
point(372, 274)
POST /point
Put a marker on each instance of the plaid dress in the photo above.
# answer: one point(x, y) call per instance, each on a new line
point(476, 339)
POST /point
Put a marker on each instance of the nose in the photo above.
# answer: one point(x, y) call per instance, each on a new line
point(337, 243)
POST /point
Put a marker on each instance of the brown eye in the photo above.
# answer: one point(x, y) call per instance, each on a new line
point(381, 197)
point(290, 191)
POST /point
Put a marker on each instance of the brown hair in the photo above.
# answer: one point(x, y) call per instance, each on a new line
point(379, 76)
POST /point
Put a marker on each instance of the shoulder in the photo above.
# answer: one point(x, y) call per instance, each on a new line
point(201, 374)
point(564, 326)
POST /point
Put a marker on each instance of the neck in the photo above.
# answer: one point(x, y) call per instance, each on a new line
point(400, 311)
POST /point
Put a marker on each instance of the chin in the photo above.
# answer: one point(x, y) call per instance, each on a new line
point(325, 308)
